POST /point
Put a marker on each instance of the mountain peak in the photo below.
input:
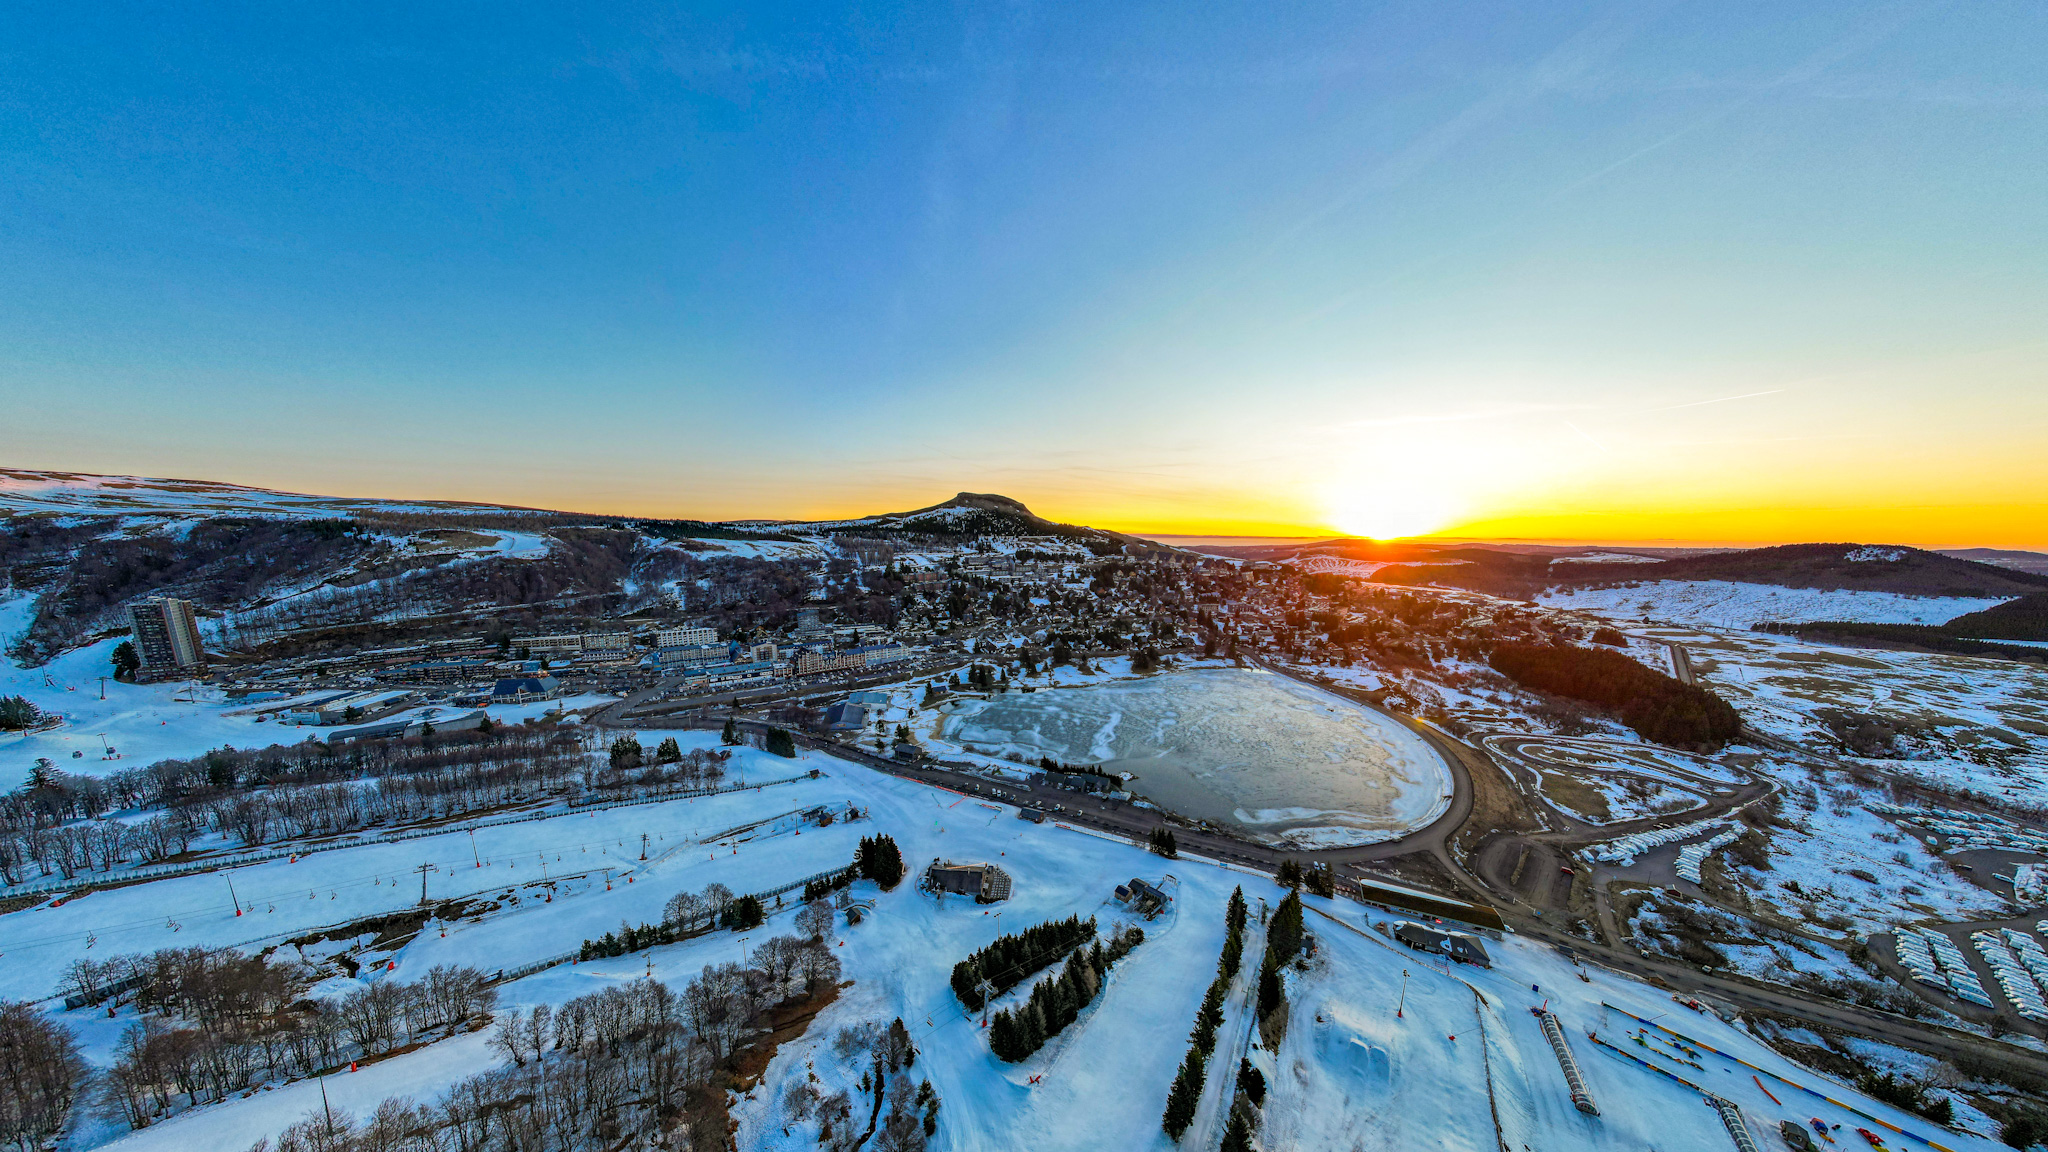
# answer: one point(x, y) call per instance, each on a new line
point(989, 501)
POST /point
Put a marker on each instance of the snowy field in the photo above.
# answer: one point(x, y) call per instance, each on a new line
point(1965, 722)
point(1727, 604)
point(1403, 1082)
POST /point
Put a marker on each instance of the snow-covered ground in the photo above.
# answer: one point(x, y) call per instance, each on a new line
point(1727, 604)
point(1358, 1076)
point(86, 494)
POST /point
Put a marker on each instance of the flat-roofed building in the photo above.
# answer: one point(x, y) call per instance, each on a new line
point(684, 637)
point(985, 882)
point(556, 643)
point(166, 636)
point(692, 655)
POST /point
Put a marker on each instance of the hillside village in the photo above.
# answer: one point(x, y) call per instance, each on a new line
point(695, 738)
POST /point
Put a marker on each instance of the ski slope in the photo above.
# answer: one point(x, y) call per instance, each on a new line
point(1357, 1077)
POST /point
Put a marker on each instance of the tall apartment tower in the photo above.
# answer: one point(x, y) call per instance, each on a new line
point(166, 636)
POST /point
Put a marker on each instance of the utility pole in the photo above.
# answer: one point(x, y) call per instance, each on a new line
point(423, 870)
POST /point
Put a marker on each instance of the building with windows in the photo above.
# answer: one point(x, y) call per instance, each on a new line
point(876, 655)
point(684, 637)
point(560, 643)
point(692, 655)
point(166, 637)
point(985, 882)
point(812, 663)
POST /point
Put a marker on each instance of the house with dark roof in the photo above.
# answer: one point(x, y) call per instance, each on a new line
point(516, 688)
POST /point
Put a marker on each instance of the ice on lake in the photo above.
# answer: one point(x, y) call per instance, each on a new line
point(1276, 759)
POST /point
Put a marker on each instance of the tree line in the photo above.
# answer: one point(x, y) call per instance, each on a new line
point(1004, 962)
point(214, 1020)
point(1186, 1092)
point(41, 1077)
point(639, 1065)
point(1656, 706)
point(287, 792)
point(1056, 1001)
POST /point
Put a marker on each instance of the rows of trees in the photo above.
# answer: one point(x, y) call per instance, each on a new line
point(1005, 961)
point(52, 825)
point(1056, 1001)
point(640, 1065)
point(215, 1020)
point(1656, 706)
point(1186, 1092)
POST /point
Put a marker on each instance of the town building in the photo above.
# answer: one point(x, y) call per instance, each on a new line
point(985, 882)
point(812, 663)
point(166, 637)
point(845, 718)
point(684, 637)
point(559, 643)
point(692, 655)
point(513, 689)
point(1459, 946)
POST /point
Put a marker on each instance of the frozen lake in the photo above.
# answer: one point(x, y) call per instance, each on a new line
point(1280, 761)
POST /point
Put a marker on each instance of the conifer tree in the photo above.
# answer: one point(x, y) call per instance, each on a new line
point(1182, 1097)
point(1269, 985)
point(731, 735)
point(1237, 1137)
point(1284, 933)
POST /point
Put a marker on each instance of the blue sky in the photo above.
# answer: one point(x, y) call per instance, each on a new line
point(1576, 268)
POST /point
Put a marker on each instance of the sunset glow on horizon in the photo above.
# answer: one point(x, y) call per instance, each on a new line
point(1567, 272)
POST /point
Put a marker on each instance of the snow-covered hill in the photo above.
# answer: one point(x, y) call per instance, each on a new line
point(1727, 604)
point(82, 493)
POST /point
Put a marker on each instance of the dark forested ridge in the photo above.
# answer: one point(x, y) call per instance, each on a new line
point(2023, 619)
point(1856, 567)
point(1657, 706)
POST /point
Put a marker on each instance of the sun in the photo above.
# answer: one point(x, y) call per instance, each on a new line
point(1390, 510)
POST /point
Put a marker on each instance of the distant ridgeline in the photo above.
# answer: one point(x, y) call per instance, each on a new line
point(1976, 634)
point(1656, 706)
point(1520, 574)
